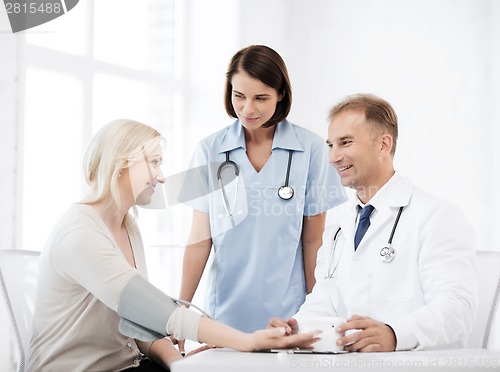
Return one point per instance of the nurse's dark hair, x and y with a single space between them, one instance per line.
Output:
266 65
378 113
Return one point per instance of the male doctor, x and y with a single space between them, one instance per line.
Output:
400 264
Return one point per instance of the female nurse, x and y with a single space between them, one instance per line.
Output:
265 240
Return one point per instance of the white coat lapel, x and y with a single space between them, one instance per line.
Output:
348 226
382 217
397 195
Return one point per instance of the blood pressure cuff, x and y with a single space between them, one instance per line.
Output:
145 310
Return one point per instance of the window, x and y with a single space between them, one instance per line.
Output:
52 143
81 71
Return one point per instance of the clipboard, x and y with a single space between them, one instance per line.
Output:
300 351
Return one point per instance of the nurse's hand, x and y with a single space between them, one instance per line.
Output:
291 325
372 335
276 338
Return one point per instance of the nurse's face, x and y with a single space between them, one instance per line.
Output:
254 102
355 151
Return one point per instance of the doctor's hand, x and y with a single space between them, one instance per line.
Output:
372 335
291 326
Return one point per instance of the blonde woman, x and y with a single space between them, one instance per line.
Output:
95 309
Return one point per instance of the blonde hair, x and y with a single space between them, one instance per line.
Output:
114 147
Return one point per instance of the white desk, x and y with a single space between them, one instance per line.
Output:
222 360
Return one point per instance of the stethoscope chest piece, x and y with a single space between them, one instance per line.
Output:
387 254
285 192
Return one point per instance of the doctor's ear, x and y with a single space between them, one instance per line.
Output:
386 144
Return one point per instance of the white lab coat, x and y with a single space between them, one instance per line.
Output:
427 294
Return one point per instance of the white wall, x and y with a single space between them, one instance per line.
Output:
9 132
494 127
437 62
8 156
210 43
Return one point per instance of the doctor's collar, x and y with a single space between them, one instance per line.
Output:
387 194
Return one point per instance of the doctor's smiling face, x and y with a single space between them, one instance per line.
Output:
253 101
360 153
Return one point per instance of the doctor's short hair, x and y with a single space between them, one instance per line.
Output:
266 65
378 112
113 148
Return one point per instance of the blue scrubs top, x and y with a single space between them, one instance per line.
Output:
258 269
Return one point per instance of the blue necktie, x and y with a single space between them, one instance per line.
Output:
363 225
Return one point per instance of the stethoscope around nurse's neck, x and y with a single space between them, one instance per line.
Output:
285 192
387 253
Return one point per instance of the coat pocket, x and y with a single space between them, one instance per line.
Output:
395 281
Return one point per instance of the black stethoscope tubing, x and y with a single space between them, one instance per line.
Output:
225 202
387 253
285 192
395 225
228 163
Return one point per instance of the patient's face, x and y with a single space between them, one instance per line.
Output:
144 175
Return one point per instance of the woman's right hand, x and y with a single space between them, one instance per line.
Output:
215 333
277 338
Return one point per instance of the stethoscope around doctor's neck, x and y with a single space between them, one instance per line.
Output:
285 192
387 253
